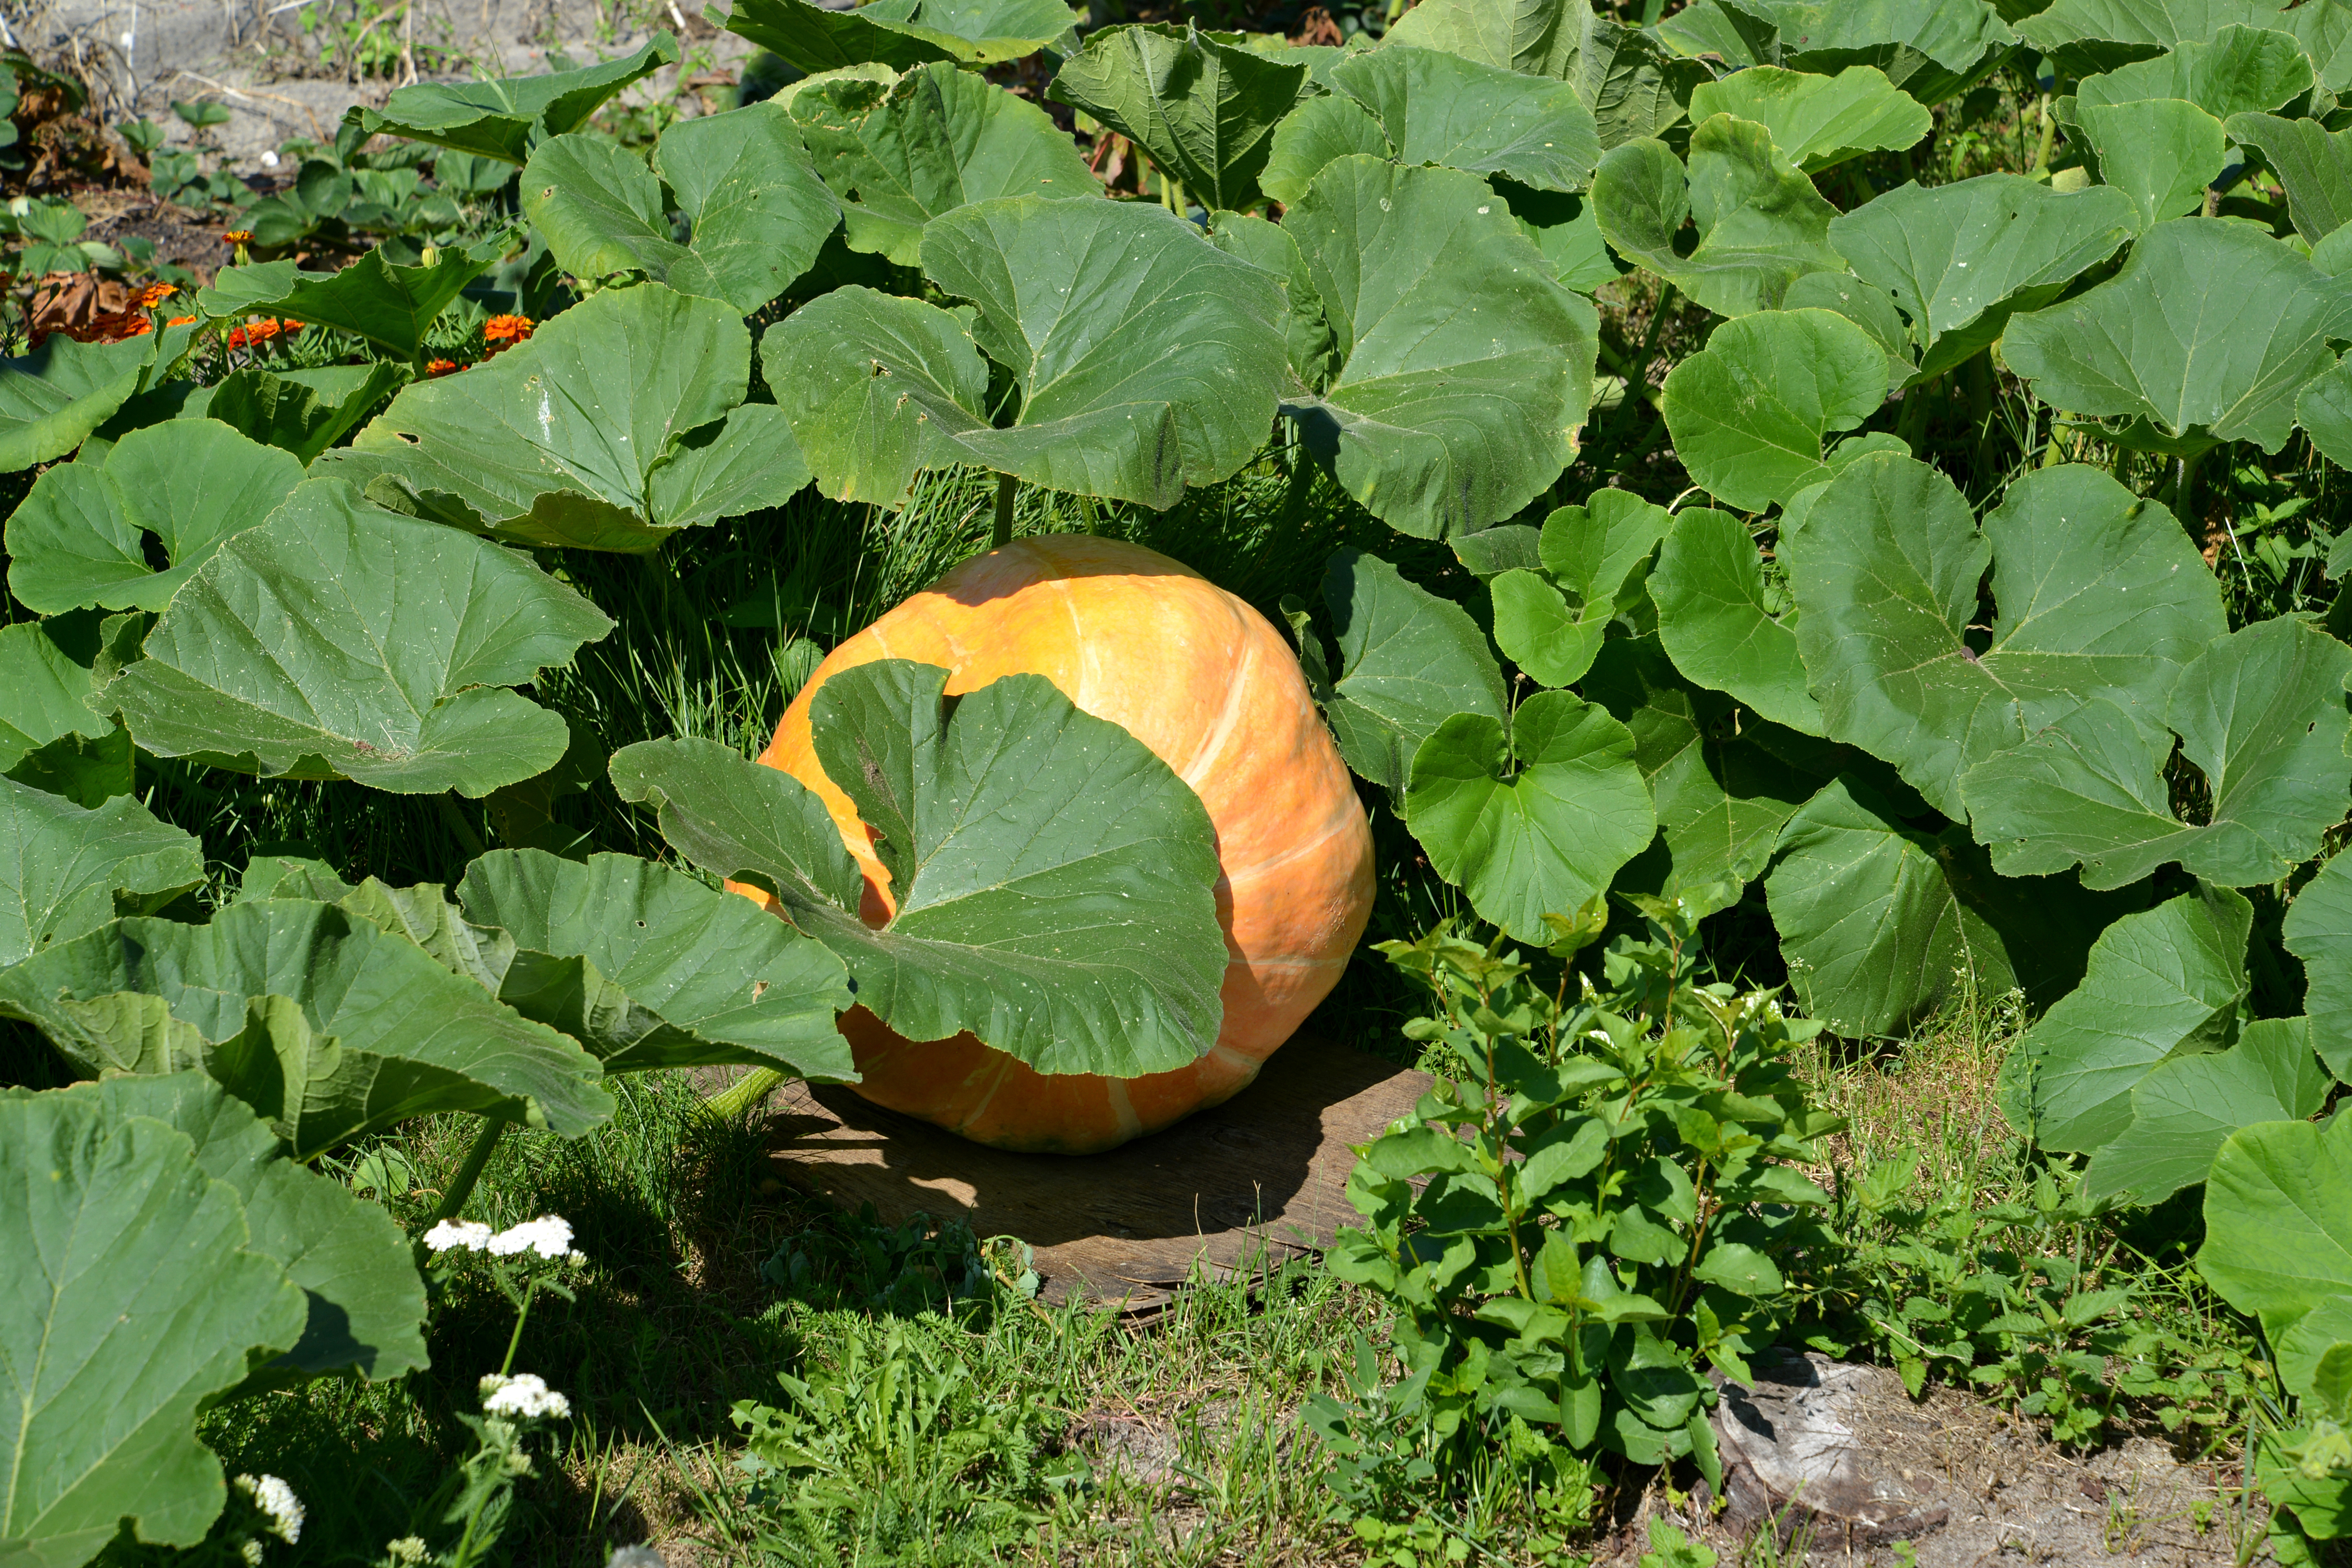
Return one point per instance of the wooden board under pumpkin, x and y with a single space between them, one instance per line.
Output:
1240 1188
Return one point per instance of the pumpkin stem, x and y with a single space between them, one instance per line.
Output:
1005 485
742 1094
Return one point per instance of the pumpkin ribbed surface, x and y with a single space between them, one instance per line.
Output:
1195 674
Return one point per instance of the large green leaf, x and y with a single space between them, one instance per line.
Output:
2313 163
1534 819
83 536
2324 409
1052 877
2278 1221
2239 70
1408 661
2260 714
378 1031
758 214
366 1303
2187 1107
1960 258
1882 924
299 411
1720 623
503 118
899 155
65 871
2160 152
2163 983
1202 105
2210 329
2099 593
1633 87
52 398
1436 108
1466 366
1817 122
41 690
2318 930
611 429
1316 135
1748 411
1550 623
338 640
705 976
1761 223
134 1299
1147 358
2091 36
1722 797
383 301
1930 48
901 33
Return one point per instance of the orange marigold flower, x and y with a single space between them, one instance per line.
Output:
506 329
155 294
440 367
237 236
180 321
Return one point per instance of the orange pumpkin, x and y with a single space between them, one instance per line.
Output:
1200 677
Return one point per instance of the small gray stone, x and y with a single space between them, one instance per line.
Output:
1806 1444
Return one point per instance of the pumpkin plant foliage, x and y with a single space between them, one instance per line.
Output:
1871 570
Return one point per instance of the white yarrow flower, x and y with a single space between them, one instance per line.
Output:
525 1393
471 1234
550 1235
277 1503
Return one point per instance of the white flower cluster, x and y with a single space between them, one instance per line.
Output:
471 1234
278 1504
643 1556
525 1393
550 1235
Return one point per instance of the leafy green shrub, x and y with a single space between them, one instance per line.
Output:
1596 1204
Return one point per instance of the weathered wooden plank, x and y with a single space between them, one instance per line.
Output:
1257 1180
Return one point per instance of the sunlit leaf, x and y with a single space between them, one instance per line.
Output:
2162 984
379 1033
1760 223
1531 819
383 301
1749 412
51 399
1203 107
1464 366
503 117
1408 661
133 1292
2188 1106
341 640
2162 152
1719 623
1959 258
1550 623
1817 122
758 214
901 33
2098 593
1148 359
179 488
65 871
899 155
2210 327
2260 714
2318 930
591 435
703 976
